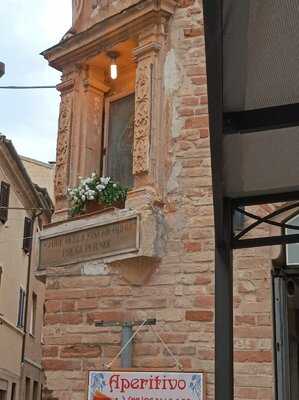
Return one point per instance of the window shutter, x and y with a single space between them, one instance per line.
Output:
27 238
21 312
4 201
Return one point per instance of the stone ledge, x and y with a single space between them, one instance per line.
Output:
68 243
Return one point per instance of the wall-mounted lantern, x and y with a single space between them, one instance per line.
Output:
113 55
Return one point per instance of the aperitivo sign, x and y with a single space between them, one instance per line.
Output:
145 385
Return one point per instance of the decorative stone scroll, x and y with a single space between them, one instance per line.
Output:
63 145
99 3
77 10
143 107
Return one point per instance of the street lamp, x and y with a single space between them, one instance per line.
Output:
2 69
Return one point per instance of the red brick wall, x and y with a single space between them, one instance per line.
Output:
180 292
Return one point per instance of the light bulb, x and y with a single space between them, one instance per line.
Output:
113 70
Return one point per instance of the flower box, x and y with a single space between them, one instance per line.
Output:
93 206
96 193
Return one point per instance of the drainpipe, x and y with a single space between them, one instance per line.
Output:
127 354
34 217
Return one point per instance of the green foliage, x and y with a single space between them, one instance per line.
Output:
95 188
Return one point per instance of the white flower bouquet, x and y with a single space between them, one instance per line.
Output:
95 188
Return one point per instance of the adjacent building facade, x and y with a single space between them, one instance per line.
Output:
24 210
148 129
41 173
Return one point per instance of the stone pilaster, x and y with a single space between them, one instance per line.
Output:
87 137
79 132
148 104
64 143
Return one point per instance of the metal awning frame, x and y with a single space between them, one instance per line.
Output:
224 208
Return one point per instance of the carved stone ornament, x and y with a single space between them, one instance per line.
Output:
77 10
63 146
142 129
99 3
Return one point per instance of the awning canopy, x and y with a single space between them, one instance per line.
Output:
253 88
260 54
258 95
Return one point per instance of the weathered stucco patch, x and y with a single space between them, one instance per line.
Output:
172 182
172 74
172 82
94 268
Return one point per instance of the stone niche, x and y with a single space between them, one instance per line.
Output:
131 239
139 37
128 240
87 13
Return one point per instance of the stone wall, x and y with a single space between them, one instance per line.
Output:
180 291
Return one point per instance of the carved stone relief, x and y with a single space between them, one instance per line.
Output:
99 3
142 129
63 146
77 10
101 9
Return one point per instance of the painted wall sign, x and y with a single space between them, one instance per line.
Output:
112 385
87 244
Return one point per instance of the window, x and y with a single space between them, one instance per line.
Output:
13 391
35 391
287 336
3 394
119 138
292 250
21 311
238 220
27 236
286 292
33 314
27 389
4 201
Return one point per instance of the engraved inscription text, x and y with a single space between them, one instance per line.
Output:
97 242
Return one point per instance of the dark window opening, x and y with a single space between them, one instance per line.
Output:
238 220
21 311
13 391
287 336
27 237
4 201
120 137
3 394
33 314
286 292
27 389
35 391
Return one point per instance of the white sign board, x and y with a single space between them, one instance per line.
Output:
145 385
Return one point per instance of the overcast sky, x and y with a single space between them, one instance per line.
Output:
29 118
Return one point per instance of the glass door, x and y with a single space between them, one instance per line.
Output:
286 291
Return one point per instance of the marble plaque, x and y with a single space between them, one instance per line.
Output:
88 244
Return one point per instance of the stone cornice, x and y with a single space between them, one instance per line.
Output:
95 85
105 34
66 86
148 48
18 176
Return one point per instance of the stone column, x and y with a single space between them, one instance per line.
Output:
148 102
